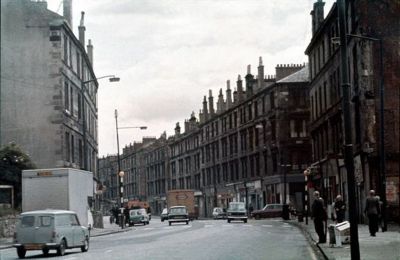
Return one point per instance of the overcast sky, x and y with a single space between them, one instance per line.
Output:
169 53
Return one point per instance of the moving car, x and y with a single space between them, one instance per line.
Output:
269 211
178 214
164 215
237 211
219 213
50 229
138 216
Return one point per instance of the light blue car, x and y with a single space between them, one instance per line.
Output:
50 229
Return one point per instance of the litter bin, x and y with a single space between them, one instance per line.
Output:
285 212
342 233
332 235
300 217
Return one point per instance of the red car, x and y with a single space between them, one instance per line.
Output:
269 211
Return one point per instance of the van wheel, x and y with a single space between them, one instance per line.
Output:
169 223
21 252
45 251
229 221
245 221
85 246
187 222
61 248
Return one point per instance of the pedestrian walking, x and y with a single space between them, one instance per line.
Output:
372 211
319 216
340 209
380 203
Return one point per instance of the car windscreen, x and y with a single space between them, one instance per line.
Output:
27 221
134 212
237 206
178 211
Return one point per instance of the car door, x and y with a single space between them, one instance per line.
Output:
78 232
64 227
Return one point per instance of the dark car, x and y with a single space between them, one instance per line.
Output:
178 214
269 211
164 215
237 211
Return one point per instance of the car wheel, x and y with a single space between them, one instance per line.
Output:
162 220
61 248
169 223
257 216
21 252
45 251
85 246
229 221
187 222
245 221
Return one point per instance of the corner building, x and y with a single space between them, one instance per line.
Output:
43 106
378 20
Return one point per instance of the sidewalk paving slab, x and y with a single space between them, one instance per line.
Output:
386 245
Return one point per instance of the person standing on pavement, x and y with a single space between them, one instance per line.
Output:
372 211
380 203
319 216
340 209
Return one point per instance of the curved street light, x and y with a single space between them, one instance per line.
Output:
112 78
120 172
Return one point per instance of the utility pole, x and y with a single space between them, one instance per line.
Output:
348 145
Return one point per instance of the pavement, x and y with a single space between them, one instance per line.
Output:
94 232
386 245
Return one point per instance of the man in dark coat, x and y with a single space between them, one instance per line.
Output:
340 209
372 210
319 216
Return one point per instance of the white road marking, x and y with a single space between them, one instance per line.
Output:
108 251
149 228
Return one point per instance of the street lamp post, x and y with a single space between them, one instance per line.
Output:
112 78
348 145
382 176
120 172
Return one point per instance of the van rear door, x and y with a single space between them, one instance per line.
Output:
26 229
44 229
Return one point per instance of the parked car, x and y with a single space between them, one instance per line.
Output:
50 229
178 214
164 215
237 211
219 213
269 211
138 216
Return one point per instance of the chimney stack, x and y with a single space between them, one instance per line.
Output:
67 12
317 15
82 29
220 102
177 129
90 51
228 94
240 92
211 103
249 82
260 76
205 109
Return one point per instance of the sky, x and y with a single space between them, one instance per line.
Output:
170 53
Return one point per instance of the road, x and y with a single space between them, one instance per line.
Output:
201 239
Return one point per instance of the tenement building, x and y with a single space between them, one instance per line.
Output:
372 68
48 90
253 146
